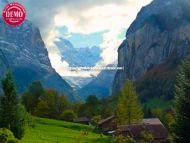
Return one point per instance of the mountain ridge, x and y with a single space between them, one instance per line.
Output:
28 59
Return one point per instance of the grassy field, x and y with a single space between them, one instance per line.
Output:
53 131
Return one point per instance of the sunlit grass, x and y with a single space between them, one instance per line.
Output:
53 131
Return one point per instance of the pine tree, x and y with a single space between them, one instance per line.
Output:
128 110
11 112
182 97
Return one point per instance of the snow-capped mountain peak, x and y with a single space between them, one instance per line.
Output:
86 56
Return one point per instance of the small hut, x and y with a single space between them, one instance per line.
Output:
82 120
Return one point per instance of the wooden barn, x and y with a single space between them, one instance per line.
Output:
152 126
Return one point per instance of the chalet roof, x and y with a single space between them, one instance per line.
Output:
152 121
82 119
158 131
106 120
154 126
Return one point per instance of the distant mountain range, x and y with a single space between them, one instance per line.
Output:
76 56
155 44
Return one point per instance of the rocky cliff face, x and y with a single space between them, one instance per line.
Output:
160 31
23 52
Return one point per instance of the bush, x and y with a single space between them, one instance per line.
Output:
147 137
6 136
122 139
13 141
68 115
96 119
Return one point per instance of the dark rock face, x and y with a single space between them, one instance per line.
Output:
23 52
160 31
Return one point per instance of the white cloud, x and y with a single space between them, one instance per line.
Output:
84 17
110 17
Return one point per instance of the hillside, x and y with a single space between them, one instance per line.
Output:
100 86
53 131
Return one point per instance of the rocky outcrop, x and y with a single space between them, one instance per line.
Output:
23 52
160 31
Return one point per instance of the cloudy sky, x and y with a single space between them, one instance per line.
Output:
85 23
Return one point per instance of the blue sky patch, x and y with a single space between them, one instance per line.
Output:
82 40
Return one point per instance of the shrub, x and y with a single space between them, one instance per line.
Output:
6 136
122 139
68 115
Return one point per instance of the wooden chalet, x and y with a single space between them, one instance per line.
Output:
108 124
153 126
83 120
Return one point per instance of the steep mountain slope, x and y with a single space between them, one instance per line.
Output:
27 58
77 82
100 86
158 81
160 31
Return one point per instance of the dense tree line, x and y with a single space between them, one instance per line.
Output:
50 104
45 102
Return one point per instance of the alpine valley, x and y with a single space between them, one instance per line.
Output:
155 44
100 85
147 100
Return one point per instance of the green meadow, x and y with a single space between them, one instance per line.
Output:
54 131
